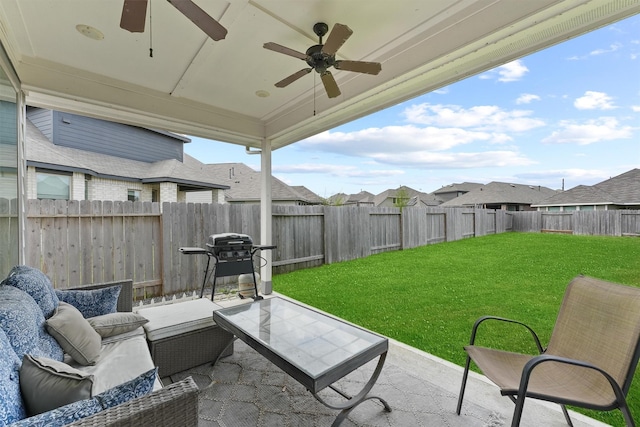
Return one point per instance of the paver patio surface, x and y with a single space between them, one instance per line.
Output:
245 389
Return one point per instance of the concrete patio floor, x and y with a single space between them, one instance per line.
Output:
245 389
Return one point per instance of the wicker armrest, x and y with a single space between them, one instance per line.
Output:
125 300
173 405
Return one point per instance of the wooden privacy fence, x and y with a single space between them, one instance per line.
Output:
595 223
79 242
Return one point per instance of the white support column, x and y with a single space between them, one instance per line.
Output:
265 215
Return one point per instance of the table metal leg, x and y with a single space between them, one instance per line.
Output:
346 407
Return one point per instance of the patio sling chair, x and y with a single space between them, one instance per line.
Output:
589 362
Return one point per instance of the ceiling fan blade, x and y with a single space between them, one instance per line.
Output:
338 35
134 15
199 17
282 49
293 77
359 66
330 84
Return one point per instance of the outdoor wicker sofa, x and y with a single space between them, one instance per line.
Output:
124 387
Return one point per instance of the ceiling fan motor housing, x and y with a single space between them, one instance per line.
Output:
318 60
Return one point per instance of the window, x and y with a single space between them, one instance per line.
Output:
133 195
154 195
53 186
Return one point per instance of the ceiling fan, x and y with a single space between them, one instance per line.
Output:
321 57
134 15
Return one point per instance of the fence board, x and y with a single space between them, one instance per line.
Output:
109 239
118 231
48 239
5 230
86 240
74 255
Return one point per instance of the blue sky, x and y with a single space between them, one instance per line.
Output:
570 112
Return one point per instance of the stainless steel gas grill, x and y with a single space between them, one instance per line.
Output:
232 254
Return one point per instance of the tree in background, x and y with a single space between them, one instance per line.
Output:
402 198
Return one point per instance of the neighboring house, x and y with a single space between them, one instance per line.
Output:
619 192
390 198
502 196
243 185
363 198
72 157
451 191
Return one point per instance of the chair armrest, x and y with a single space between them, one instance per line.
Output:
125 300
173 405
502 319
543 358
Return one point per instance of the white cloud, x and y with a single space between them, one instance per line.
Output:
486 118
510 72
426 159
526 98
636 108
345 171
590 132
594 101
409 146
571 176
402 139
612 48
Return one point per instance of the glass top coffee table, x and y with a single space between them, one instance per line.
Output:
314 349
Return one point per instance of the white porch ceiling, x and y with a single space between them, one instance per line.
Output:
197 86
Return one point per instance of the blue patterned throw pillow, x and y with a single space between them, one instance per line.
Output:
24 325
64 415
12 407
137 387
92 303
35 283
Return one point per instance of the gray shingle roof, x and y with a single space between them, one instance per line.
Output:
502 193
455 187
363 197
245 184
623 189
391 193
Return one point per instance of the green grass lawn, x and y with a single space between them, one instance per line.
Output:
429 297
